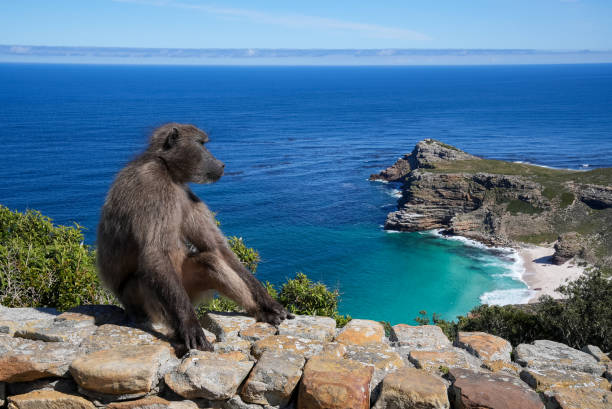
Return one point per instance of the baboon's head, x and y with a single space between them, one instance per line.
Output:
182 148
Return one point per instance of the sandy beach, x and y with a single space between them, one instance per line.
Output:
541 275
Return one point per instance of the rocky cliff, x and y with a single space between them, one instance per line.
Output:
502 203
92 357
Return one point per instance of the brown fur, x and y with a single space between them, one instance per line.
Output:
150 221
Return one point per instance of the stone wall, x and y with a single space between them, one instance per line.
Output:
92 357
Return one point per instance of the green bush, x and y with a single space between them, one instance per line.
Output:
519 206
301 295
567 198
42 265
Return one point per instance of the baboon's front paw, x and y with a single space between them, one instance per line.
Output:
194 338
274 314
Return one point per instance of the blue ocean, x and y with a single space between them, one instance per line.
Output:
299 144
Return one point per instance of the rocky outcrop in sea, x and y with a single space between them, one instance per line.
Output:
502 203
92 357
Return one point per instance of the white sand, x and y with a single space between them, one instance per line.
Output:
541 275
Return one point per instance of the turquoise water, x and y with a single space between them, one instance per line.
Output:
299 144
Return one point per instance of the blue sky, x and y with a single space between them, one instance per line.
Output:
426 24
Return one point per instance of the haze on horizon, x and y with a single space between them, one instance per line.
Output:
400 32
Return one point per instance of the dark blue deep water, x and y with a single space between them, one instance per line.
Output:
299 144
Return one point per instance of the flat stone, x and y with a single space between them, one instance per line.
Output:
110 336
302 346
502 366
62 329
335 384
235 402
130 370
381 357
544 379
439 360
234 344
425 337
485 346
554 355
409 388
310 327
100 314
234 356
26 360
13 319
333 350
273 379
477 390
207 375
257 331
64 385
360 332
226 325
153 402
579 398
48 400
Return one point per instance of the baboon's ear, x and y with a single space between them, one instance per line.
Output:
171 138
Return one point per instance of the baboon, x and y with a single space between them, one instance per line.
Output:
159 247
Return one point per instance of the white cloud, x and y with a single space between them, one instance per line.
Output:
293 20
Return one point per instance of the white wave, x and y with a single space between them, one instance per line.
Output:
468 242
396 193
392 231
378 180
585 165
505 297
535 164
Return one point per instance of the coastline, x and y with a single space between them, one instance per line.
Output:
541 276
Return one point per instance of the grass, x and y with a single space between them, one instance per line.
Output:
517 206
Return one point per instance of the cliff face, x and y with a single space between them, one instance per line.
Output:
499 202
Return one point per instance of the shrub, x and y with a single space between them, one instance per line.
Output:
519 206
42 265
300 295
567 198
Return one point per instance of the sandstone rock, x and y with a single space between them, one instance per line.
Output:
100 314
302 346
568 246
153 402
62 329
25 360
361 332
48 400
335 384
596 196
381 357
257 331
597 354
273 379
502 366
68 386
109 336
234 355
553 355
310 327
409 388
395 172
126 372
476 390
234 344
236 403
485 346
544 379
226 325
426 337
333 350
579 398
207 375
440 360
13 319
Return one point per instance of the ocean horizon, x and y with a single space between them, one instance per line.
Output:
299 144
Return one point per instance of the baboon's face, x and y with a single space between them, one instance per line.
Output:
185 150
